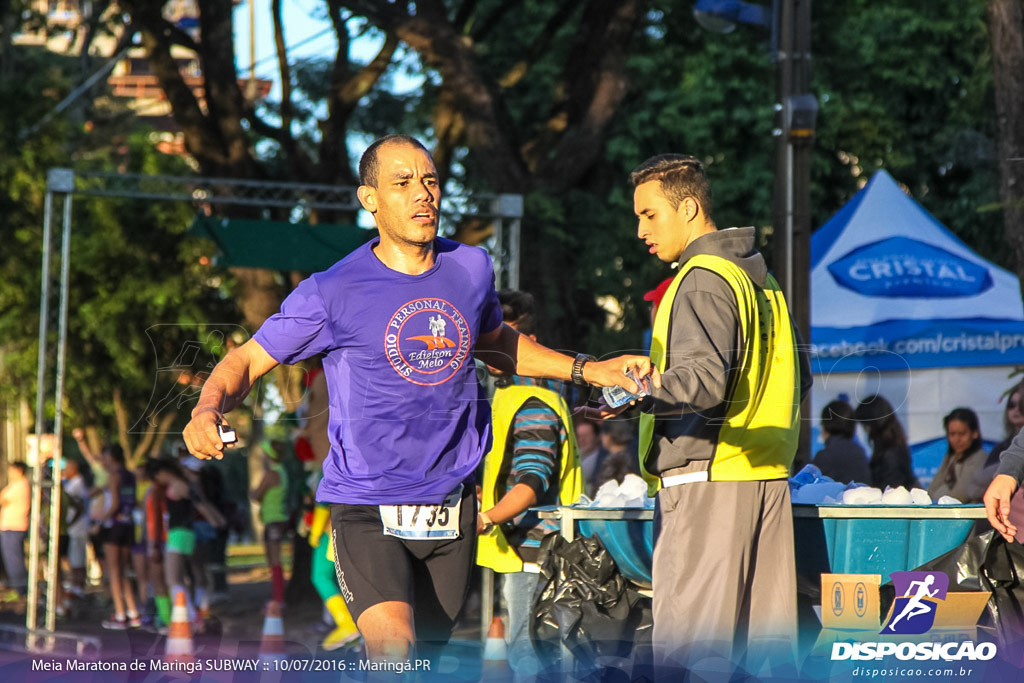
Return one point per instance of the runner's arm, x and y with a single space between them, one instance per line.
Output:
226 388
507 350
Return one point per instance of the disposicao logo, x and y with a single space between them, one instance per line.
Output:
917 599
918 595
904 267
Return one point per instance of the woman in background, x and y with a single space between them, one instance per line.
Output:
890 463
1013 422
118 522
842 458
183 501
964 457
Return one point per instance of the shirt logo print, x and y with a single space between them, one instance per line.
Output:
426 341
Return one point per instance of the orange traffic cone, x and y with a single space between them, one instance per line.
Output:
495 649
179 636
272 644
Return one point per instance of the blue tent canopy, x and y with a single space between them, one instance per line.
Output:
894 289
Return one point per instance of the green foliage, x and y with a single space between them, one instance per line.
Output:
908 87
138 290
903 86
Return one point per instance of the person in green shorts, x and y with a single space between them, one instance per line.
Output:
271 494
183 503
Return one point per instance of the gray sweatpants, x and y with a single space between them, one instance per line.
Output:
724 574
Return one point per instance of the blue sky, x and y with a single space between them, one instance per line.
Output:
303 20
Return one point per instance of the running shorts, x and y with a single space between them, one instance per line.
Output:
275 532
122 535
430 575
181 540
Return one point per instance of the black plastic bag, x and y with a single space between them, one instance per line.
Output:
583 602
986 562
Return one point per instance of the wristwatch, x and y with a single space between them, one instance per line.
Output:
488 524
577 368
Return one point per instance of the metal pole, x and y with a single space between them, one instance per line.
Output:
802 162
782 233
788 284
52 587
513 253
803 152
499 252
37 473
486 601
251 85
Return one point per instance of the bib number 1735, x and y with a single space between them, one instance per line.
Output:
423 522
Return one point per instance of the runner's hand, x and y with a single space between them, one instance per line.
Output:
201 437
997 505
613 371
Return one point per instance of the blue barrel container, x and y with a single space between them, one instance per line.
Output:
630 542
828 538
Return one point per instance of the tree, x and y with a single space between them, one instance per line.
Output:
140 291
559 100
1006 25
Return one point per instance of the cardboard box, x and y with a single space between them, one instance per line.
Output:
851 611
852 602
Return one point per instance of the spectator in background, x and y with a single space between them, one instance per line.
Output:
620 458
965 457
76 491
842 458
588 445
532 462
213 544
890 463
14 509
118 522
271 494
1013 422
154 537
183 500
203 533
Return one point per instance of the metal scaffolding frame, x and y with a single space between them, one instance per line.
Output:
202 192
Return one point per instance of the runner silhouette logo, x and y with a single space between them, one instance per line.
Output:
917 599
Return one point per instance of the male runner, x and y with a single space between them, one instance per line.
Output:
409 422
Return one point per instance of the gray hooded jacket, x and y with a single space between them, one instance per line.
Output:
704 344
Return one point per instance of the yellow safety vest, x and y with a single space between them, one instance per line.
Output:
759 436
493 549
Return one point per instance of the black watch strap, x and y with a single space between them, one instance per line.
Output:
577 368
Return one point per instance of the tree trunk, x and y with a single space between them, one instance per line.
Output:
1006 26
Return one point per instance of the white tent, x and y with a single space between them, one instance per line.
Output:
901 307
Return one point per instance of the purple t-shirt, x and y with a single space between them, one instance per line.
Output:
409 421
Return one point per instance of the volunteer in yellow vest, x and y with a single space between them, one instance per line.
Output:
532 462
718 438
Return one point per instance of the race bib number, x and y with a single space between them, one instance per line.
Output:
424 522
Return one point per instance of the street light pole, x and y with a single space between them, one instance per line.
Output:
796 112
795 116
